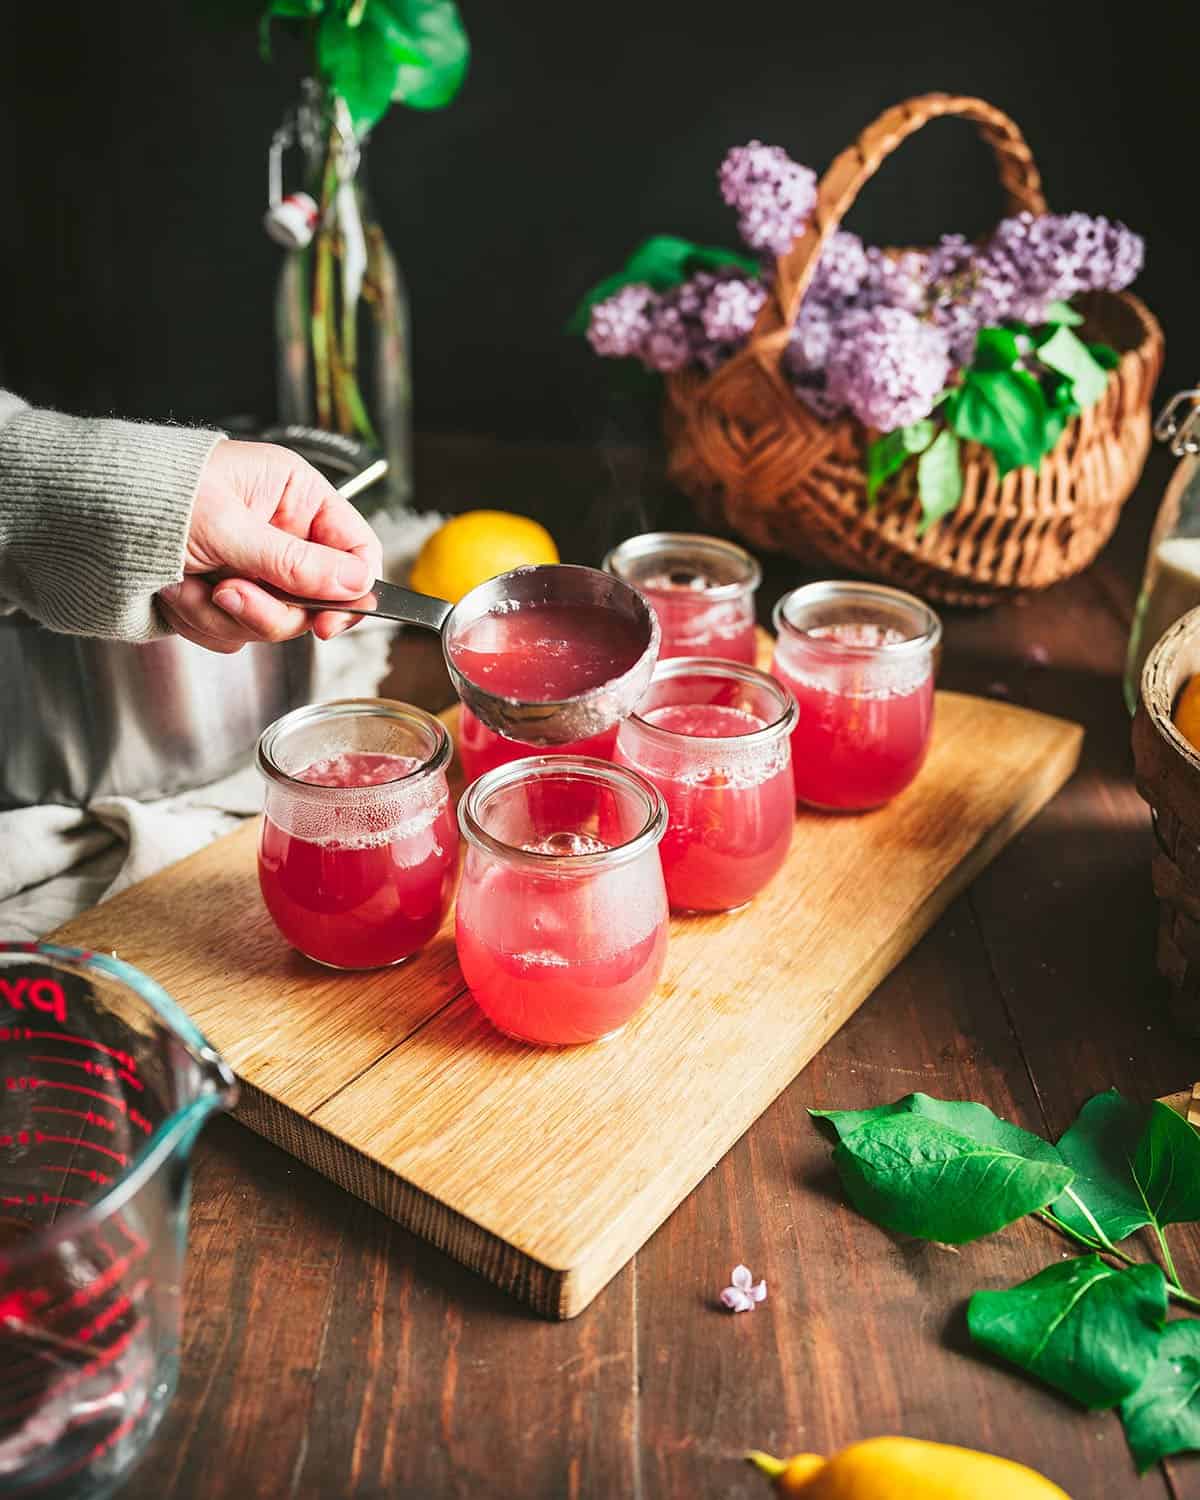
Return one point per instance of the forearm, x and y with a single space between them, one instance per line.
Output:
94 517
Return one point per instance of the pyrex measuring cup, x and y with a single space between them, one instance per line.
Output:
104 1085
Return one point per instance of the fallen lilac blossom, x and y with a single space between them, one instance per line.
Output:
745 1292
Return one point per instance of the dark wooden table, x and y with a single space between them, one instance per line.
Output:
328 1354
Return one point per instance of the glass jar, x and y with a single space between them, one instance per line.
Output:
860 659
106 1086
701 588
359 844
481 749
341 309
1171 581
562 912
714 738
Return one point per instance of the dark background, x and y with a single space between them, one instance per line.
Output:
137 280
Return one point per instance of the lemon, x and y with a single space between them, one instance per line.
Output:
1187 712
473 547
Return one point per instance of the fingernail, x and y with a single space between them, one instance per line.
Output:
230 600
354 574
171 592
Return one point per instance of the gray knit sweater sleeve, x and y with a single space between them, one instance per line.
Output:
93 517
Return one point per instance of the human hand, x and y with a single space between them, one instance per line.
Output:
264 513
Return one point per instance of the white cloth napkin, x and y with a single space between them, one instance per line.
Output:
57 861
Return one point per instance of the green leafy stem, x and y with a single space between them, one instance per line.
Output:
1016 397
952 1171
376 52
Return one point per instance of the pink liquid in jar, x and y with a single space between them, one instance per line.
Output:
730 804
865 719
355 896
693 624
481 749
566 956
543 653
700 587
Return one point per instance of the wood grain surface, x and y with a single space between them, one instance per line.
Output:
546 1169
330 1355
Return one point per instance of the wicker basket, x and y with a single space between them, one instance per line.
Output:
756 460
1168 777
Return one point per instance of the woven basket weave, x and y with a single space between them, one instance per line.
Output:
755 459
1168 777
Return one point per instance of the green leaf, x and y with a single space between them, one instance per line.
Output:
1063 313
1004 410
432 35
939 480
1105 356
358 63
995 349
663 261
1087 1329
963 1115
1166 1167
888 454
1069 355
914 1175
1100 1146
1062 408
1163 1415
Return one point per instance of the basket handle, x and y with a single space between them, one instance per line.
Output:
847 174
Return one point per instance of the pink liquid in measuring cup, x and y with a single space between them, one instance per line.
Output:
864 725
481 749
542 653
367 897
730 809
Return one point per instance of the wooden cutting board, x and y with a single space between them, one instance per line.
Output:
546 1170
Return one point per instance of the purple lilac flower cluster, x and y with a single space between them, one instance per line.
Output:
701 322
877 334
774 195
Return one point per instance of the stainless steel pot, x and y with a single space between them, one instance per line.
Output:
81 717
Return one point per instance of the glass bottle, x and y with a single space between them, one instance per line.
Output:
341 316
1171 581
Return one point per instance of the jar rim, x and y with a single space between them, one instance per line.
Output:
351 708
543 767
635 548
836 590
714 666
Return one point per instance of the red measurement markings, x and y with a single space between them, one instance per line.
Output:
98 1452
90 1174
132 1237
116 1309
24 1083
104 1358
95 1069
89 1116
42 1200
19 1308
41 1139
29 1034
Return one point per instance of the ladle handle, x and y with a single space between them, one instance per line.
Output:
387 600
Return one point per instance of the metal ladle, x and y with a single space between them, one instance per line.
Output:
560 584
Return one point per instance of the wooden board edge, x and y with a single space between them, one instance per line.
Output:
550 1292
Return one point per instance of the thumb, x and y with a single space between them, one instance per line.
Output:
264 552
